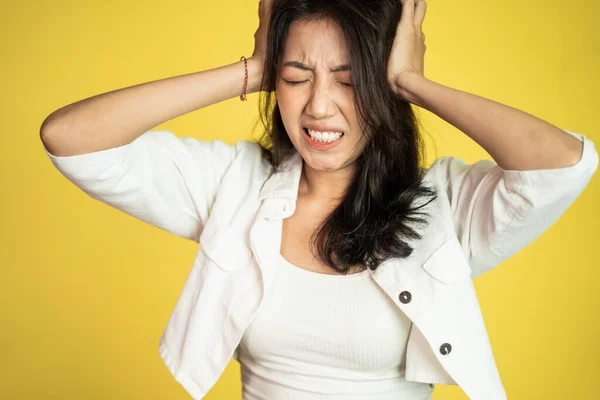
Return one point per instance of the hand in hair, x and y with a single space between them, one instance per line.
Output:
260 36
407 57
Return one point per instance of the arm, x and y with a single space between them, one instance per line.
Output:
118 117
540 170
104 146
499 209
515 140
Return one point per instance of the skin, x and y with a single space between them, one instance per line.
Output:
321 97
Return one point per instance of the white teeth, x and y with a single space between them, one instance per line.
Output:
324 136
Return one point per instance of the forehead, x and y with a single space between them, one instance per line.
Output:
315 42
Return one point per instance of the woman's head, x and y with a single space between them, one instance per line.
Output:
314 93
322 35
307 40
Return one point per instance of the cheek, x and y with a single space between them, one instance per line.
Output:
285 95
290 106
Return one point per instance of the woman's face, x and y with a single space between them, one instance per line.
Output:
316 57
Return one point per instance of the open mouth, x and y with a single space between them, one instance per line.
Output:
308 134
326 142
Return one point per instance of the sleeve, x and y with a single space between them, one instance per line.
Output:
159 178
496 212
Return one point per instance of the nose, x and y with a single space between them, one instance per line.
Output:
320 105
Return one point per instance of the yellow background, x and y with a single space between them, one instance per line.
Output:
86 290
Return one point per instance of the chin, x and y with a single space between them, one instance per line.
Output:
326 162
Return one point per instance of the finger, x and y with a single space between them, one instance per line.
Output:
408 9
420 9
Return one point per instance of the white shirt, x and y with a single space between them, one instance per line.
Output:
227 198
325 336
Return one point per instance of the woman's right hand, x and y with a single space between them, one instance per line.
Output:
260 36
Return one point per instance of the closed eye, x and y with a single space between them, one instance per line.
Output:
294 83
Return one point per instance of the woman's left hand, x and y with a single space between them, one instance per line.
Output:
407 57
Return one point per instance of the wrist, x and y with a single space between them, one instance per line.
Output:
407 85
255 71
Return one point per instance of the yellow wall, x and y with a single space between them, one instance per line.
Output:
87 290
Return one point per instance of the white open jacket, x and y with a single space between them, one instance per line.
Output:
226 198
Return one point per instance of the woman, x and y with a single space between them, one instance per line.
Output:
331 265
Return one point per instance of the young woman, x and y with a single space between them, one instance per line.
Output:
331 264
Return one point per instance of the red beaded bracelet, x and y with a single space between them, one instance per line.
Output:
243 95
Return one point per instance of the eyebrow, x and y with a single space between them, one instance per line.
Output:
299 65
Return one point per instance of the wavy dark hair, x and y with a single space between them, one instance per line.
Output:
378 214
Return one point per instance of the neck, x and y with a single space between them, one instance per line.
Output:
325 185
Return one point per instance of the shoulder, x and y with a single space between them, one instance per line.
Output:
248 149
247 171
250 154
245 155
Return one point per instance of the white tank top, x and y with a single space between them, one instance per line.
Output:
322 336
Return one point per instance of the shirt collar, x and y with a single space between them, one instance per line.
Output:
284 183
282 187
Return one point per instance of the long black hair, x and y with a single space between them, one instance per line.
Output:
377 215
